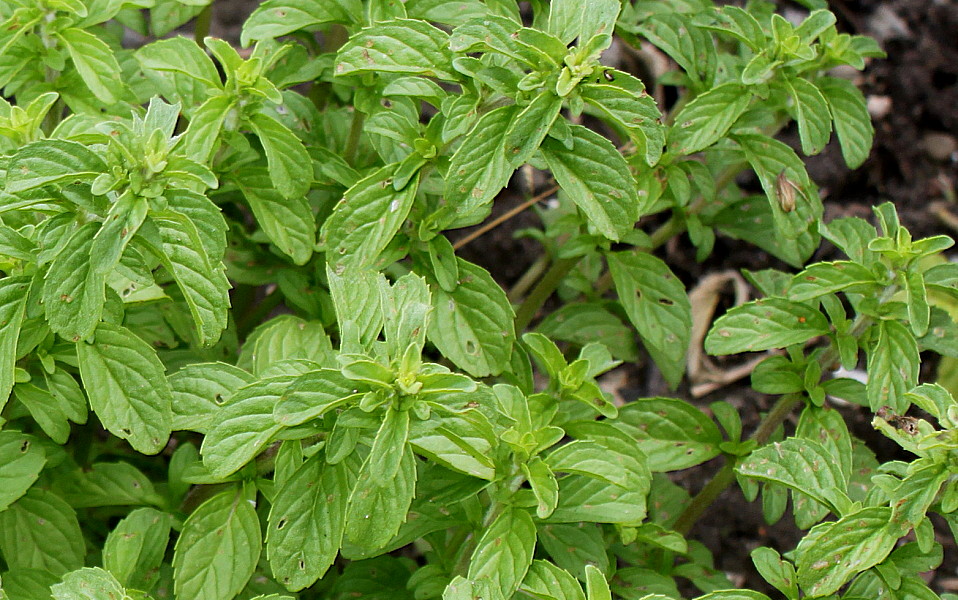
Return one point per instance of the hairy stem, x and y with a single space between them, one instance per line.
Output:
355 132
539 294
201 28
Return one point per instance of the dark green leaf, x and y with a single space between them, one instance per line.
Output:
40 531
656 303
290 167
50 162
530 127
597 178
473 325
572 547
624 102
218 548
852 123
198 391
377 507
811 112
708 117
106 484
893 364
545 581
45 410
127 387
569 19
73 293
275 18
135 548
13 297
829 277
764 324
672 433
398 46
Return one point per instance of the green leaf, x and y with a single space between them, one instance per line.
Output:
588 499
51 162
624 102
833 552
127 387
596 587
13 298
811 112
803 465
21 460
919 313
672 433
893 364
365 221
708 117
243 425
276 18
290 166
40 531
218 548
311 395
530 127
460 442
200 389
829 429
398 46
90 583
183 56
15 245
852 123
911 499
478 170
544 485
95 63
596 177
545 581
45 410
135 548
586 457
288 222
570 19
687 44
73 293
389 445
306 522
830 277
378 507
200 140
504 552
772 160
121 224
203 283
573 546
473 325
584 323
106 484
776 571
283 338
656 303
764 324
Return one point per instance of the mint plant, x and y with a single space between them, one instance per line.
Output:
241 358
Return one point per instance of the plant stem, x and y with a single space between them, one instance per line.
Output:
504 217
539 294
201 28
355 131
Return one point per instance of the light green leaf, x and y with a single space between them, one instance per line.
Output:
478 170
127 387
51 162
275 18
708 117
544 485
89 583
778 572
106 484
398 46
45 410
588 499
504 552
672 433
764 324
311 395
545 581
135 548
243 425
357 301
180 55
596 586
460 442
290 166
378 507
473 325
828 428
893 364
21 460
449 12
306 522
15 245
288 222
200 140
833 552
13 297
623 101
656 303
852 123
41 531
803 465
95 63
530 127
285 337
366 220
589 458
121 224
919 312
810 110
571 19
73 293
584 323
912 498
218 548
596 177
203 283
733 595
207 217
27 583
830 277
389 445
200 389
